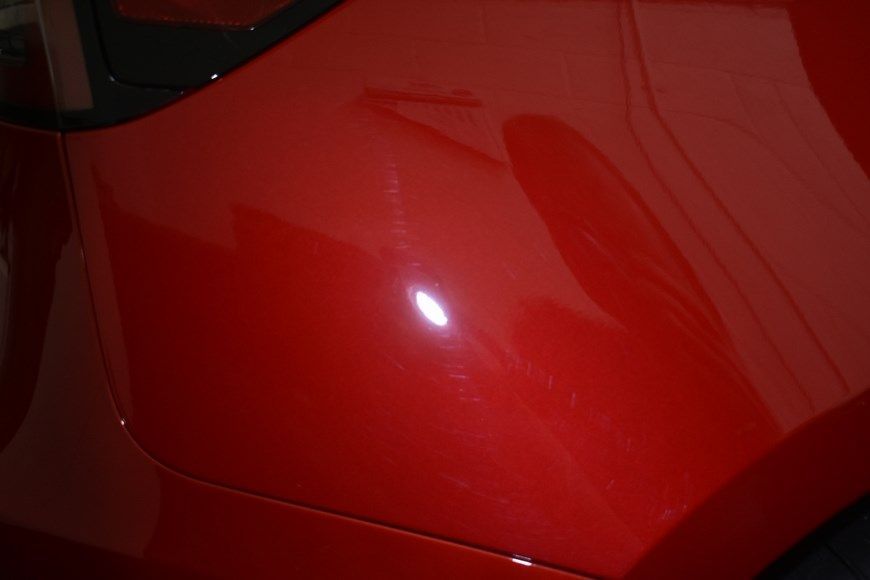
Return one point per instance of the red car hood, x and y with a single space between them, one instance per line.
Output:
542 277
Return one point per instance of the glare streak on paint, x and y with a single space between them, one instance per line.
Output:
521 560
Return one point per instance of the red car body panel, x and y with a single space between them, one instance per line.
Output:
79 498
646 228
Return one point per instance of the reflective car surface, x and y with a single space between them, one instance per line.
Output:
481 288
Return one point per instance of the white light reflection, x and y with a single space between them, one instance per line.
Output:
430 308
521 560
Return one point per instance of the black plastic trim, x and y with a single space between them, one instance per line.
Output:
135 68
180 57
114 101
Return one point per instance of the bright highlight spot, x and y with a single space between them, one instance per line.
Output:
430 309
521 560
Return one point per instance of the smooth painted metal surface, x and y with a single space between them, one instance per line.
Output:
584 282
78 498
648 234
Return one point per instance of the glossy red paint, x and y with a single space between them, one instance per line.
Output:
78 498
645 225
649 239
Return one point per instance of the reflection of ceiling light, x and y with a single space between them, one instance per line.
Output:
430 309
521 560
